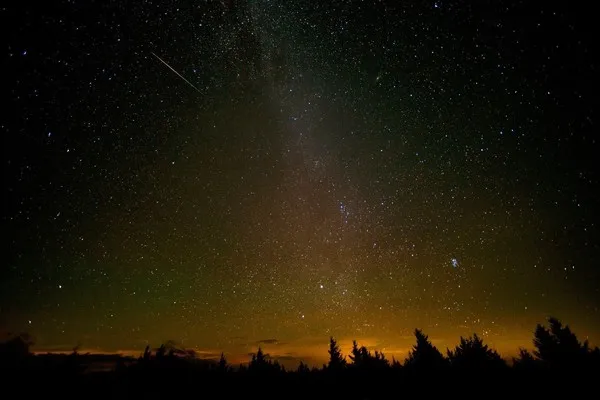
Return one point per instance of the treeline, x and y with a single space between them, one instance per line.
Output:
559 359
556 347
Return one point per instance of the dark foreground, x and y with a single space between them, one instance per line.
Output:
173 382
560 366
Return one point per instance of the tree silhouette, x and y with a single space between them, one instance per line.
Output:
147 355
362 358
379 360
161 352
366 374
525 360
594 358
259 363
559 347
222 366
276 366
424 355
15 350
336 360
355 354
303 368
472 354
16 346
258 358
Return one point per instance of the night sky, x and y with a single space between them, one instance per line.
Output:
234 173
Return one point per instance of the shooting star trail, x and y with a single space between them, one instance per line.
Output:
178 74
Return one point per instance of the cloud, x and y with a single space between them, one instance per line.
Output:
288 357
208 354
268 341
66 349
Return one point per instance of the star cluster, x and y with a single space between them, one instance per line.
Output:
346 168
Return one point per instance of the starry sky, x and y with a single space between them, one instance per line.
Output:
229 174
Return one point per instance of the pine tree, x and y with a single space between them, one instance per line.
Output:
303 368
362 358
471 353
355 354
396 364
161 352
424 354
275 366
147 354
222 365
336 360
380 360
525 360
258 361
558 346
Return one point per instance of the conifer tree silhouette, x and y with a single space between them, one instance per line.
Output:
558 346
146 356
336 360
379 360
222 366
276 366
355 354
525 360
259 361
161 352
303 368
362 358
424 355
472 354
396 364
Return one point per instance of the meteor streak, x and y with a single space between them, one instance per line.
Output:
178 74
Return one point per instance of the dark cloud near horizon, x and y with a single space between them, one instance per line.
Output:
269 341
212 356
